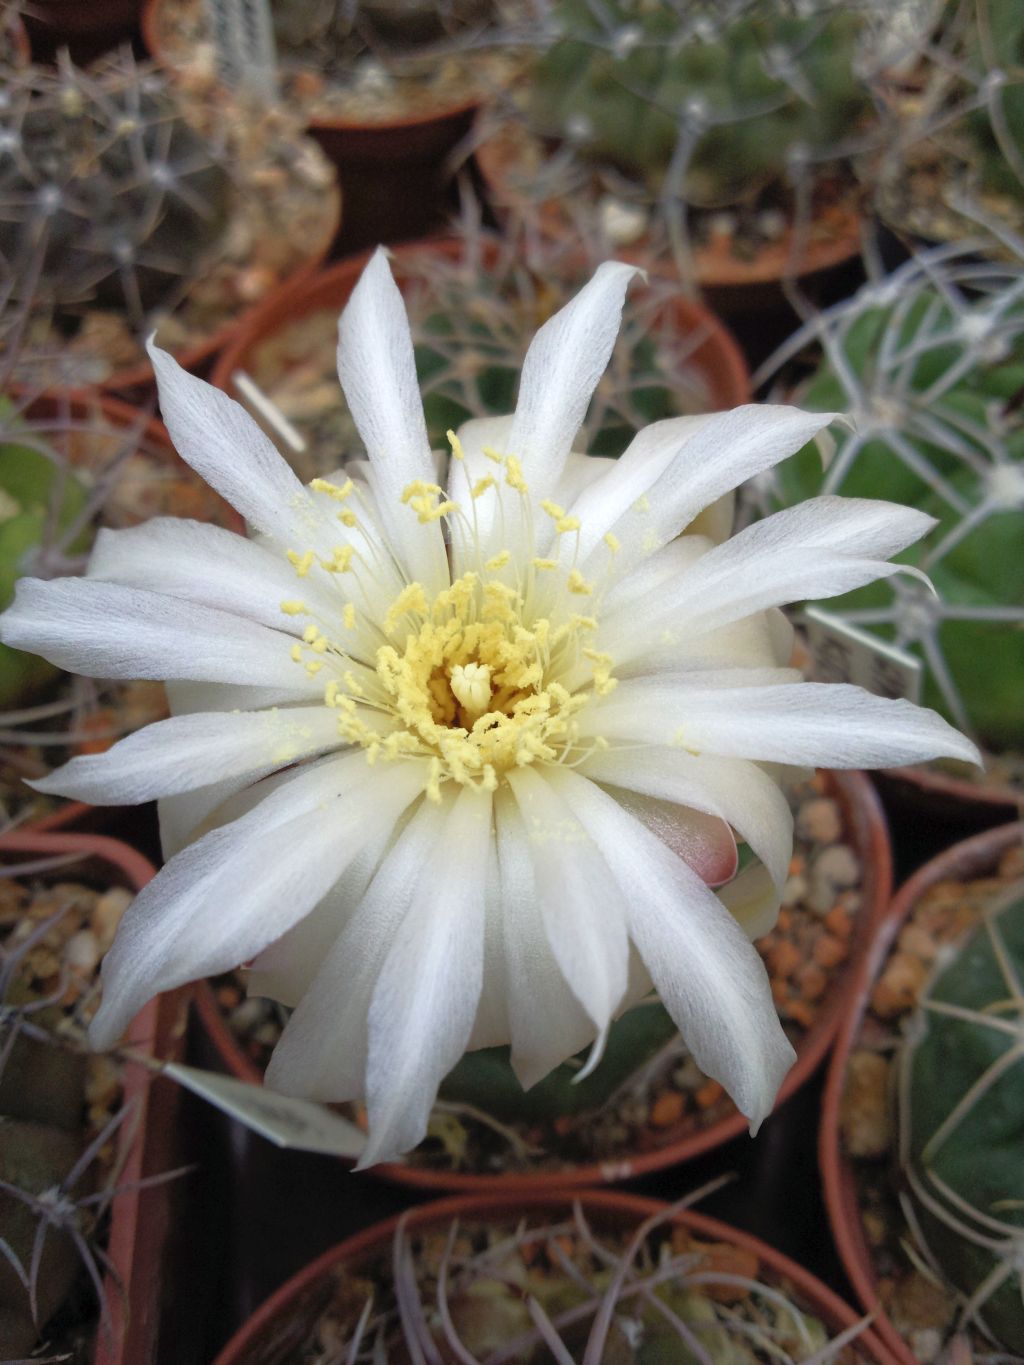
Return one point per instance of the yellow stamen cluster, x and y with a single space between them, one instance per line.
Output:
467 678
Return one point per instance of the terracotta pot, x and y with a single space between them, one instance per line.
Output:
865 820
394 175
717 358
279 1325
86 30
933 796
965 861
139 1218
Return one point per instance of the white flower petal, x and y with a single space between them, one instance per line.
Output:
108 631
562 367
735 790
672 472
377 369
426 996
322 1053
186 752
476 538
579 907
212 567
710 979
490 1027
753 900
546 1022
224 445
286 969
223 899
819 549
829 725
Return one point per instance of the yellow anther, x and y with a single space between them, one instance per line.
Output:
481 486
331 692
333 490
578 584
491 454
552 508
301 563
314 667
412 598
544 563
499 560
340 560
514 475
418 489
293 608
434 782
320 644
612 541
348 518
310 634
456 445
296 653
349 616
352 683
643 503
564 524
428 513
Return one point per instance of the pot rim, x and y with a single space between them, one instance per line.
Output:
865 819
969 858
628 1206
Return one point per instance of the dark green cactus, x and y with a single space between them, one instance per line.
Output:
40 500
734 93
108 194
339 27
962 1119
933 376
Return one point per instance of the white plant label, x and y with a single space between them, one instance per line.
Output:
281 1119
843 653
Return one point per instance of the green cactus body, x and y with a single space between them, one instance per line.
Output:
112 196
996 43
750 85
933 387
962 1119
38 502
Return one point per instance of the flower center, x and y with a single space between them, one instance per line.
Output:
467 678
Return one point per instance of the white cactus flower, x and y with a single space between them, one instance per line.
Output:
452 791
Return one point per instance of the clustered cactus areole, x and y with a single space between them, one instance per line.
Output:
107 193
931 365
960 1092
711 102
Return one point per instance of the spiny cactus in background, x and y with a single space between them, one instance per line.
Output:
930 364
707 103
961 1111
106 192
473 317
995 52
542 1288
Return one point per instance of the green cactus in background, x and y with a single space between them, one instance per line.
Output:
995 50
962 1124
930 364
106 192
400 24
724 97
40 503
